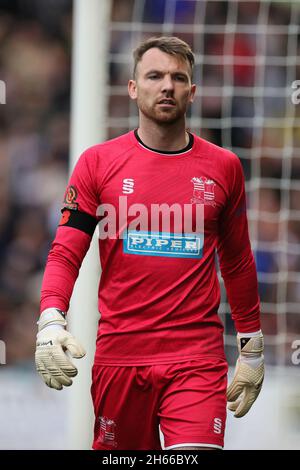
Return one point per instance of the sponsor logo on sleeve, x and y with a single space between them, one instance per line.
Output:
70 198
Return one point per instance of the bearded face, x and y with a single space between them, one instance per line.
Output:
162 88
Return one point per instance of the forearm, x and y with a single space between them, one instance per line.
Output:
241 285
62 268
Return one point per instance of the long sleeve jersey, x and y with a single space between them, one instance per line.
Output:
159 292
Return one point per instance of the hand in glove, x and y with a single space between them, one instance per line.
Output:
53 341
249 374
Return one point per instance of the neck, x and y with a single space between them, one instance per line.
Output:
168 137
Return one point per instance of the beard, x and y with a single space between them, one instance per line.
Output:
161 115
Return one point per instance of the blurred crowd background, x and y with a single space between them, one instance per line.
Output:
35 47
244 73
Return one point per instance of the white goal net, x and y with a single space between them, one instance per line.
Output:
247 59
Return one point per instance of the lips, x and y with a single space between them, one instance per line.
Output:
167 102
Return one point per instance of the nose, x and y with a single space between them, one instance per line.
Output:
167 84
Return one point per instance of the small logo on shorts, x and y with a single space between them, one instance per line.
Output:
107 429
217 426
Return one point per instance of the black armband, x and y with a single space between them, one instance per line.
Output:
80 220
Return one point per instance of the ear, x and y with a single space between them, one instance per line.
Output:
193 91
132 90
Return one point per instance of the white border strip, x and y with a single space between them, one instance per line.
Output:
193 444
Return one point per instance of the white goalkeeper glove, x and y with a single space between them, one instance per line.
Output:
51 360
248 375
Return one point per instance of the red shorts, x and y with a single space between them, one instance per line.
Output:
187 400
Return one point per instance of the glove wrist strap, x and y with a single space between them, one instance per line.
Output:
51 316
250 347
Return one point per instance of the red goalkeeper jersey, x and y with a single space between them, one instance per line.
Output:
159 292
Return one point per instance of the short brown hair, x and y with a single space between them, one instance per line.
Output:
168 44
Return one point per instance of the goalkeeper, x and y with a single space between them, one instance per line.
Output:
159 355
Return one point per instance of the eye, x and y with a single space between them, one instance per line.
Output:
153 76
180 78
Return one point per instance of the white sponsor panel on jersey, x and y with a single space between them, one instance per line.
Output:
174 245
